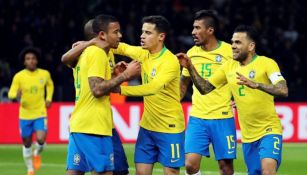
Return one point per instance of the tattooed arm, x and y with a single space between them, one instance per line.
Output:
279 89
101 87
203 86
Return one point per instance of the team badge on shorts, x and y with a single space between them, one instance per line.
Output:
252 74
77 159
218 58
153 72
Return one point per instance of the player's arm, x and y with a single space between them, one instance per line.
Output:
278 89
101 87
134 52
203 85
15 91
49 90
163 77
70 58
184 84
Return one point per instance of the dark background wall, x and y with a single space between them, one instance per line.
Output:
55 24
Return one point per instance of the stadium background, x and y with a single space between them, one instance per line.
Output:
54 25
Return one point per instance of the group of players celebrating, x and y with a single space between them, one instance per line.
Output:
220 72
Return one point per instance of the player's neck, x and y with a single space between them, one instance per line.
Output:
156 49
211 45
249 59
31 70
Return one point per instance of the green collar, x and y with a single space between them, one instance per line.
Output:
161 53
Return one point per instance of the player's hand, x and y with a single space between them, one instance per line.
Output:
48 104
245 81
78 43
116 89
133 70
119 68
233 104
184 60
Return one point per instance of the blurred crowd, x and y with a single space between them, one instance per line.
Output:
54 25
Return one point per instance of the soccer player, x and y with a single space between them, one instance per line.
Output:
70 58
90 143
209 112
29 87
254 80
161 135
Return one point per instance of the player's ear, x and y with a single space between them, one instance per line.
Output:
162 36
251 46
102 35
211 30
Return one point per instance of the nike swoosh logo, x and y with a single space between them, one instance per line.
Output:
172 160
230 152
275 152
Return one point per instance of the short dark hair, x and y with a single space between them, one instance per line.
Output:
101 23
88 30
30 49
250 31
162 24
210 16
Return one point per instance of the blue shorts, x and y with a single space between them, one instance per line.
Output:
166 148
90 153
269 146
27 127
220 132
120 160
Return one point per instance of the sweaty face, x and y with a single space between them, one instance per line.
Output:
113 35
200 32
150 37
240 43
30 61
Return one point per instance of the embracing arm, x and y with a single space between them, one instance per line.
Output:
184 84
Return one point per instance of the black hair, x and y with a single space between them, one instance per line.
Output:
27 50
210 17
101 23
162 24
250 31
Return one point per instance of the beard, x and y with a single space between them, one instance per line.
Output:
242 56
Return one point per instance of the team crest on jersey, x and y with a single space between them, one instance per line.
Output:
218 58
153 72
77 159
41 81
252 74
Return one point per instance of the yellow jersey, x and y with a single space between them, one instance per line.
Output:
216 104
256 111
160 88
91 115
32 86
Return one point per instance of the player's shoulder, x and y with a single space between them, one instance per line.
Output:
20 73
43 71
193 50
265 59
225 47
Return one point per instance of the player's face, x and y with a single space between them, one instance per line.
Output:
114 35
200 32
240 46
30 61
151 38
